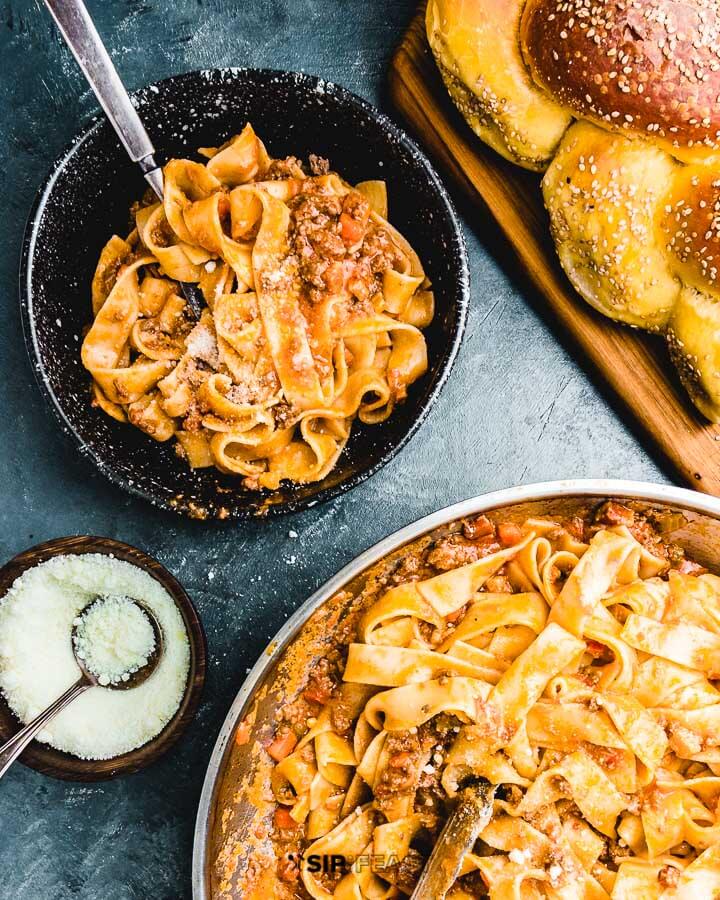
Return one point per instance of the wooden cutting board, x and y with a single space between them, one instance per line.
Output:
635 365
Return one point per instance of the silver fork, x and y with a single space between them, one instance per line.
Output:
81 36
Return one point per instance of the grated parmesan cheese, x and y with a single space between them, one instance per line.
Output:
202 344
37 662
114 638
555 872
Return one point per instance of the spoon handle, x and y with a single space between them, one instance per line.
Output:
10 750
471 815
82 38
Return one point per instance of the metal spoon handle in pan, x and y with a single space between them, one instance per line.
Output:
471 815
81 36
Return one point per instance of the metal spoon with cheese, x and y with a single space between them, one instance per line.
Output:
10 751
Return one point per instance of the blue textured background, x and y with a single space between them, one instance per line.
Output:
518 408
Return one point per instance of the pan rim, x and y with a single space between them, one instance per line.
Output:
684 498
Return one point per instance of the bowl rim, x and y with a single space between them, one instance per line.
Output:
50 761
311 82
684 498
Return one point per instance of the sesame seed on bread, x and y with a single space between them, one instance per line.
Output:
691 224
632 187
603 193
649 67
491 87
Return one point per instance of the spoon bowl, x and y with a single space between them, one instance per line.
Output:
140 675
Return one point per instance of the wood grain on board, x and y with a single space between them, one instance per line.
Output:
635 365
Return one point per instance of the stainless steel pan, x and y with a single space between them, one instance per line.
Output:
695 526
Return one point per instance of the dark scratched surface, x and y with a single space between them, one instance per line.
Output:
518 408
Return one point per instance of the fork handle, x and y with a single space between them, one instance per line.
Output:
81 36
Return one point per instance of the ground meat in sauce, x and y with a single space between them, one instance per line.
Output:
575 527
324 678
401 773
281 169
193 418
456 550
315 239
498 584
284 415
406 873
613 514
341 716
614 853
478 527
318 165
412 768
379 250
330 259
411 568
289 867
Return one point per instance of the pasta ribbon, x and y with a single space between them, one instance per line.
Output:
315 306
567 663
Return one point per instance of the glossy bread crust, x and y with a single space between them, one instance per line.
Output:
638 234
646 67
691 225
693 337
633 186
494 91
603 193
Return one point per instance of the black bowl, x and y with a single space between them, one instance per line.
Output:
86 198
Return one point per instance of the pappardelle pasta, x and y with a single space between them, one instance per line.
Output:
315 306
574 664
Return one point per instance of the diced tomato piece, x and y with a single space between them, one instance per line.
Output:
509 533
351 230
616 514
284 820
242 735
282 746
317 694
598 650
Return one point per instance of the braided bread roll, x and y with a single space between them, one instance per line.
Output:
618 103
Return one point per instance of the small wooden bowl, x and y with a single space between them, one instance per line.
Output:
58 764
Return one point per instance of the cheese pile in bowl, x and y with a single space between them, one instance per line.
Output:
37 663
114 639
